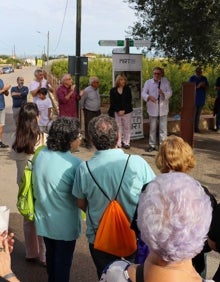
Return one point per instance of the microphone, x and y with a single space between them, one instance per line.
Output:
159 82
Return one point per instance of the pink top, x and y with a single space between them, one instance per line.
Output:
67 108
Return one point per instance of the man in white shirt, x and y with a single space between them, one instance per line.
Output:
156 93
38 83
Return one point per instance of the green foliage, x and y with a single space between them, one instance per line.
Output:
101 67
59 68
8 60
179 73
180 29
176 74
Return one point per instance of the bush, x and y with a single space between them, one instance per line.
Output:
176 74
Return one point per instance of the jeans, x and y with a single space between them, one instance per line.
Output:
59 256
102 259
197 117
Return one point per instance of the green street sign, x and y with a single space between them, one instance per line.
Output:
122 43
111 42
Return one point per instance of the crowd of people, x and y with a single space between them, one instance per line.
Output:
172 214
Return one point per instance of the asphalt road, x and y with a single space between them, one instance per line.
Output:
82 268
207 171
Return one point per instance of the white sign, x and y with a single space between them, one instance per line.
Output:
142 43
137 123
118 51
127 62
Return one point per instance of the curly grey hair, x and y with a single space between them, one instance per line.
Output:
103 131
174 215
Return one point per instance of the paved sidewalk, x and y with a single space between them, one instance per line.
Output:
207 151
207 171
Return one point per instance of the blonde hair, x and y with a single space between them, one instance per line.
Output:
118 78
175 155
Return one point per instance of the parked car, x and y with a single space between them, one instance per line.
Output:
19 66
7 69
11 69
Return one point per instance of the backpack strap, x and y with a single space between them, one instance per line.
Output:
140 273
97 182
104 193
103 190
122 176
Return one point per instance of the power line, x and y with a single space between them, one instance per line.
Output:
61 30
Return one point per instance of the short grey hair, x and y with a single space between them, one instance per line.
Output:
103 131
92 79
174 216
64 77
37 71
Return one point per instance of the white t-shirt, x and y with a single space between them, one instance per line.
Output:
43 106
35 84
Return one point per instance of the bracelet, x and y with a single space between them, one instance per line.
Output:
9 275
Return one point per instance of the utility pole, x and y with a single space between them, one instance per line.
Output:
78 44
13 56
48 44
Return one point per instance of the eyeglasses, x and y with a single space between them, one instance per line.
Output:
157 73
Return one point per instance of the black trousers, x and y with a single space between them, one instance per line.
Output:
88 115
216 277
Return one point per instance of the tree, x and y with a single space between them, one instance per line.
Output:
182 29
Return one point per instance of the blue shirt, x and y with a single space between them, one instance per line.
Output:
217 84
2 96
200 92
107 167
56 213
18 100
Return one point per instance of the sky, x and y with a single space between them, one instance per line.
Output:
25 25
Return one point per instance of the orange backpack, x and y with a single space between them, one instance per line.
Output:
114 235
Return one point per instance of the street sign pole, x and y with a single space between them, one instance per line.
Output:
127 45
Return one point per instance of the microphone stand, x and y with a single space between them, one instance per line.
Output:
158 114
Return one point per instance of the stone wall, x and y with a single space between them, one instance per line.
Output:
207 122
